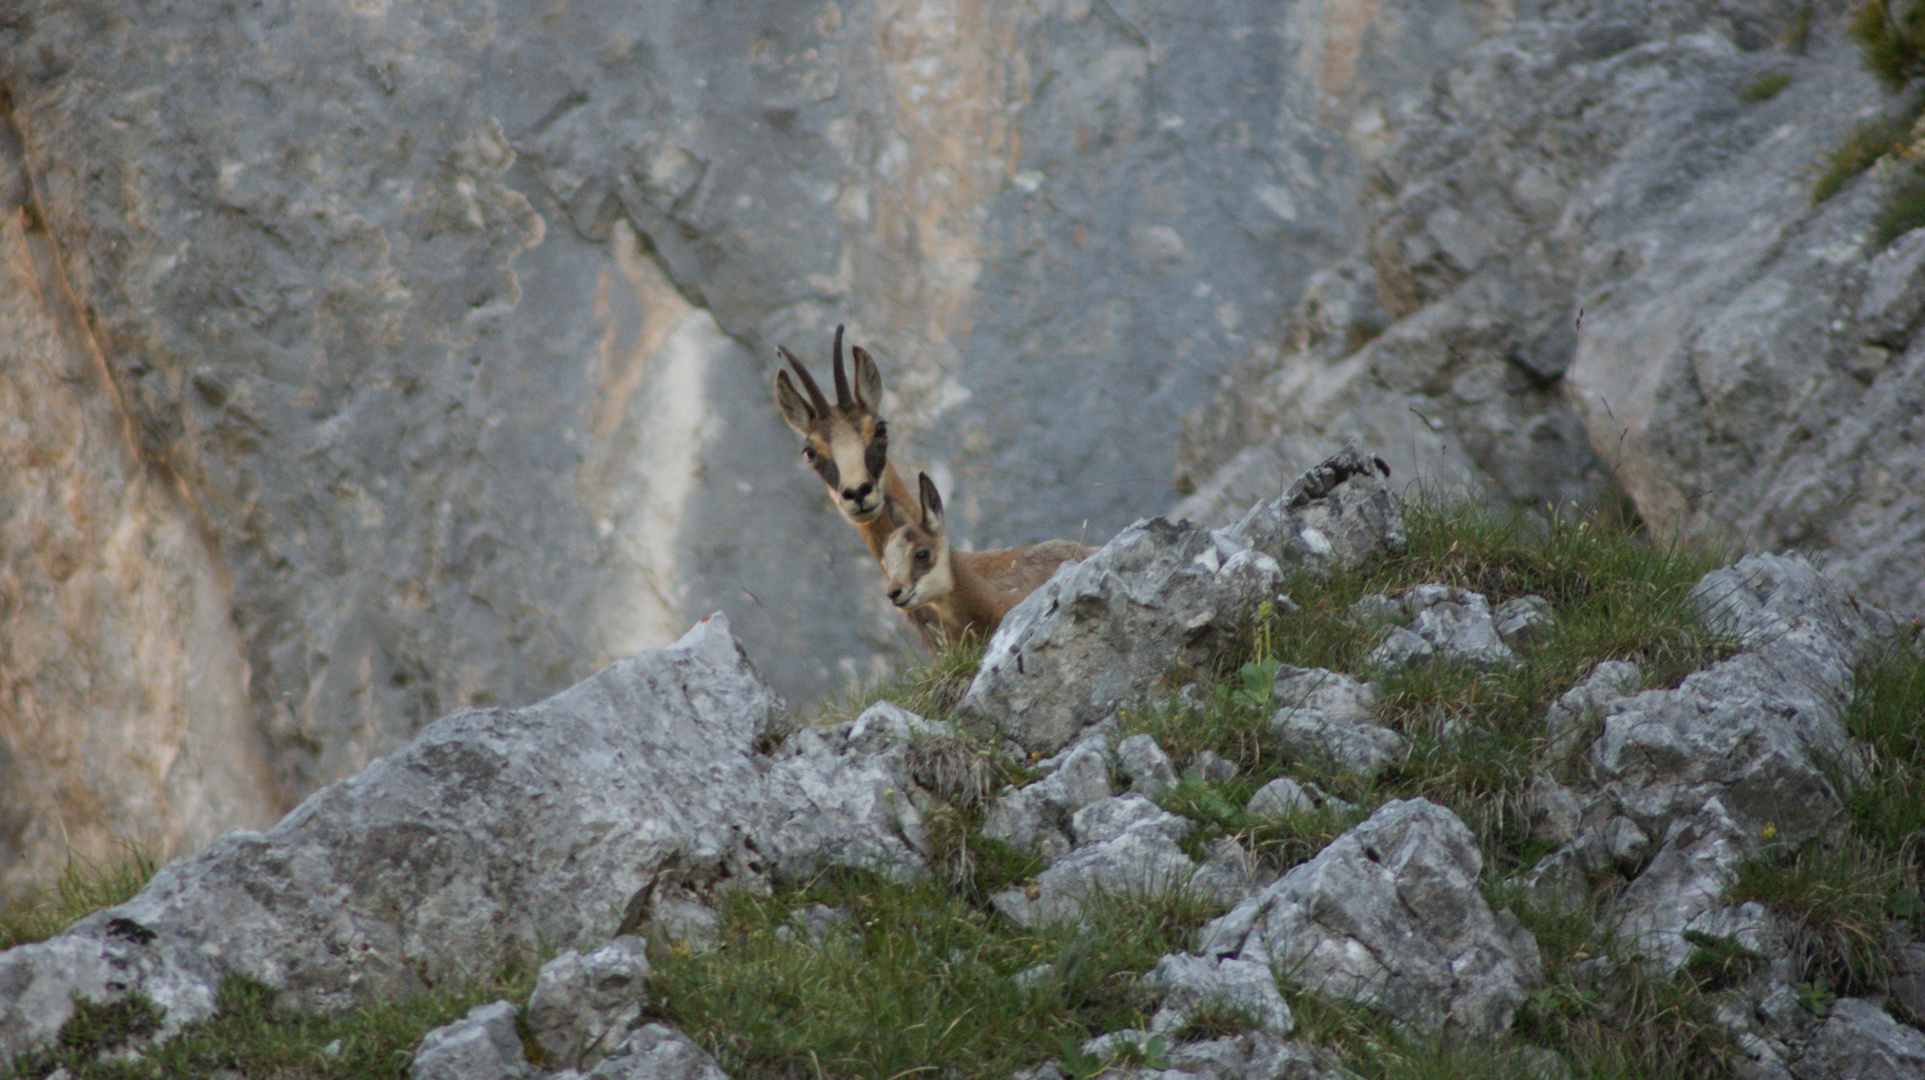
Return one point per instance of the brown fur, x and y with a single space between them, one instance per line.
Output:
846 443
968 592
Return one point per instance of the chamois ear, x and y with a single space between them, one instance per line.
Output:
868 380
931 504
794 408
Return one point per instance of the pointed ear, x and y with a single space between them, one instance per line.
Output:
792 405
868 380
931 504
897 517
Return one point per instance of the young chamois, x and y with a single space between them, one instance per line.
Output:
968 592
848 445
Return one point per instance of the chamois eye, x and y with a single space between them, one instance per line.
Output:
808 453
922 556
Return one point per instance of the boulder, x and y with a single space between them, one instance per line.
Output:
1567 723
1191 985
482 1045
1390 915
1458 625
1102 631
1148 769
494 834
657 1052
584 1004
1860 1041
1327 718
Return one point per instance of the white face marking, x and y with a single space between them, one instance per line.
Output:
921 584
852 470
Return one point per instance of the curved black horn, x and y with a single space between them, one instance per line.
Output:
816 399
843 400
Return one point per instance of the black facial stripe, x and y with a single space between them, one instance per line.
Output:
825 467
876 456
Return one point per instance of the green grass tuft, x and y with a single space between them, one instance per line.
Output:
249 1036
1891 35
1860 149
1836 899
85 886
1904 208
921 978
1766 87
927 689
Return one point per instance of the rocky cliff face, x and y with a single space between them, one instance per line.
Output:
446 331
1594 259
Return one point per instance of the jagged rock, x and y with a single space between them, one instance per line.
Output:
1627 844
1375 611
584 1004
1149 770
1192 984
483 1045
1255 1055
1026 817
1763 597
1279 797
1142 860
886 725
851 809
1860 1041
1568 721
1554 811
814 923
656 1052
1562 881
493 834
1110 818
1339 514
1400 647
1522 619
1327 718
1229 874
1103 630
1211 767
1458 625
1389 914
1893 303
1685 879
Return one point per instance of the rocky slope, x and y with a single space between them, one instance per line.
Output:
1594 258
633 801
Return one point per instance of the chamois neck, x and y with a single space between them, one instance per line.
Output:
973 603
875 532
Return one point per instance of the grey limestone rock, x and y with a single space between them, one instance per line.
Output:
584 1004
1211 767
1685 879
493 834
483 1045
1893 303
1399 647
1554 810
1279 797
1564 880
1327 717
1142 860
1254 1055
1103 630
1390 915
1149 770
1110 818
1567 722
658 1052
1522 619
1026 817
1458 625
1860 1041
852 809
1191 984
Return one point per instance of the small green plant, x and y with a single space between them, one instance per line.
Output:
1718 963
1765 87
1816 996
1891 35
1904 208
85 886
